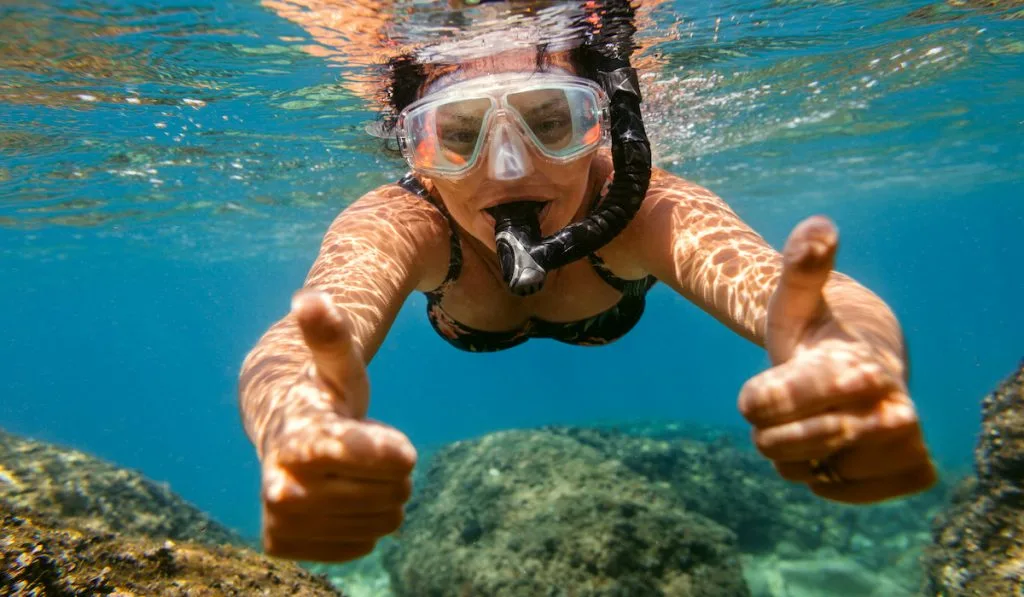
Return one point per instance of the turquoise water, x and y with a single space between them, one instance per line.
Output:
167 170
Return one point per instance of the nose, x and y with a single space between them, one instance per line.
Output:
508 158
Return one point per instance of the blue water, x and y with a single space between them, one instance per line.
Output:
130 303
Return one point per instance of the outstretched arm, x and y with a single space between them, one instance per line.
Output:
694 242
378 250
833 410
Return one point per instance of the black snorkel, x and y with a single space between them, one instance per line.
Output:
525 257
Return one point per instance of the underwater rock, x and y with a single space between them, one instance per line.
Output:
97 495
740 490
979 542
540 513
41 554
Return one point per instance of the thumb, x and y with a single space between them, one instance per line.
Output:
807 261
338 361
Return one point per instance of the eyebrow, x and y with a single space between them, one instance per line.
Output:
550 104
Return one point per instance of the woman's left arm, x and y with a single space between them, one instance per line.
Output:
833 411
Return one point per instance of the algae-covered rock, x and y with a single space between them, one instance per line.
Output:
73 525
73 485
733 485
979 542
540 513
43 555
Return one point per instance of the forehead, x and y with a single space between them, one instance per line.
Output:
519 61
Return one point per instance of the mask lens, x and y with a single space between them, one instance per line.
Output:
460 125
562 121
447 137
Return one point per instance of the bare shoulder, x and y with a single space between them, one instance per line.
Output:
670 200
390 224
391 208
677 219
684 198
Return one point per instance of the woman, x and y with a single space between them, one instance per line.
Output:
518 223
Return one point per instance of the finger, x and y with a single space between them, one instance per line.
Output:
348 529
340 495
807 261
863 462
338 361
316 551
820 436
878 489
348 449
817 383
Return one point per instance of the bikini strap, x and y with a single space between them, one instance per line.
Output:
410 183
630 288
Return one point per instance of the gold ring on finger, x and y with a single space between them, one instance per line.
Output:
824 471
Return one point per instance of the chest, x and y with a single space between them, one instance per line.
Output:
480 299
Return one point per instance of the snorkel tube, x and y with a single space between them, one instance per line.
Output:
525 257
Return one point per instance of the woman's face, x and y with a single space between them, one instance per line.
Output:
562 186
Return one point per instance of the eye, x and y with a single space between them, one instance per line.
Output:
551 125
459 135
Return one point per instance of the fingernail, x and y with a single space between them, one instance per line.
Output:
299 296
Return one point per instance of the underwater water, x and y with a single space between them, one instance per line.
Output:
168 168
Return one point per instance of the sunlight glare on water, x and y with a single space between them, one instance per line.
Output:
212 130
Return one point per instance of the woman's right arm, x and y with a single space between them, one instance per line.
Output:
376 252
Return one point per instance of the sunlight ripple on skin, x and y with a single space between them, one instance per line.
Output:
362 287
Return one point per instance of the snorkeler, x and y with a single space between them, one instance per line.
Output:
518 222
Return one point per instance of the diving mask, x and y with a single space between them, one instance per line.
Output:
445 133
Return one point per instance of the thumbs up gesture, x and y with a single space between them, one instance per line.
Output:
832 411
333 481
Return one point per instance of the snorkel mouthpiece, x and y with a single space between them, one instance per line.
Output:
516 230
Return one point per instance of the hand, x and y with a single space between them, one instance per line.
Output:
333 482
833 412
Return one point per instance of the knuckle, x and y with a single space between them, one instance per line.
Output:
402 491
393 521
362 549
832 425
899 416
926 477
751 397
845 428
743 401
765 441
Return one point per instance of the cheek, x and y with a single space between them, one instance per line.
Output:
466 216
